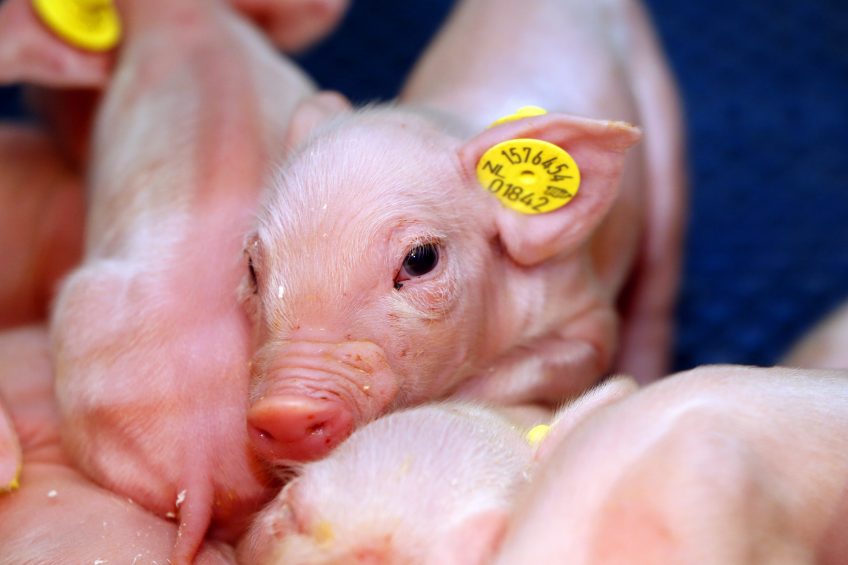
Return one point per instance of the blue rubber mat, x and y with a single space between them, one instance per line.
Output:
766 90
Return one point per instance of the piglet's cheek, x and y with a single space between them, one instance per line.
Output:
314 395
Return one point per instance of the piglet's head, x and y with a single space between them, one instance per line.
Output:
386 496
382 275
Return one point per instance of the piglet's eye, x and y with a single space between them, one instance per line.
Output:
418 262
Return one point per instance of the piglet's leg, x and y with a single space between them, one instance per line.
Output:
57 516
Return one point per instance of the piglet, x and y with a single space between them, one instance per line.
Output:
381 274
58 516
41 213
294 25
32 53
150 345
428 485
64 81
726 465
40 240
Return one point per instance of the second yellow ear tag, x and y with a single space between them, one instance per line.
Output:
523 112
92 25
529 175
536 434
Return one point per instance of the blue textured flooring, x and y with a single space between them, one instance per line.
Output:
765 84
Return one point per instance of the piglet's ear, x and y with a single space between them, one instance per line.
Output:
313 112
598 148
572 415
29 52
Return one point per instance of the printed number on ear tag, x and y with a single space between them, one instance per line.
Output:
530 176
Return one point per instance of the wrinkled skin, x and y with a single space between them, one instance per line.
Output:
150 344
725 465
517 308
59 516
433 484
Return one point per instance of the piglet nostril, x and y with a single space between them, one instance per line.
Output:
297 428
316 428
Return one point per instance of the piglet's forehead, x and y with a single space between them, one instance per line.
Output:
368 176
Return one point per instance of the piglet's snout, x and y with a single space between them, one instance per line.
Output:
313 396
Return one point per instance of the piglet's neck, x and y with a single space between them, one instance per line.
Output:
540 300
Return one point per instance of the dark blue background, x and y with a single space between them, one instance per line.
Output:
765 84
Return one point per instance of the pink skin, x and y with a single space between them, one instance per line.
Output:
40 240
41 183
518 308
43 186
721 464
70 78
294 25
59 516
40 222
31 53
600 60
825 346
151 392
429 485
432 484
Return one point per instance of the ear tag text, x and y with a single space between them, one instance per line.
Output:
530 176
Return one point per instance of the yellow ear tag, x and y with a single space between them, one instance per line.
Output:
530 176
14 484
92 25
323 532
523 112
536 434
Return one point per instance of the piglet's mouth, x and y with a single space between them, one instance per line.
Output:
315 396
